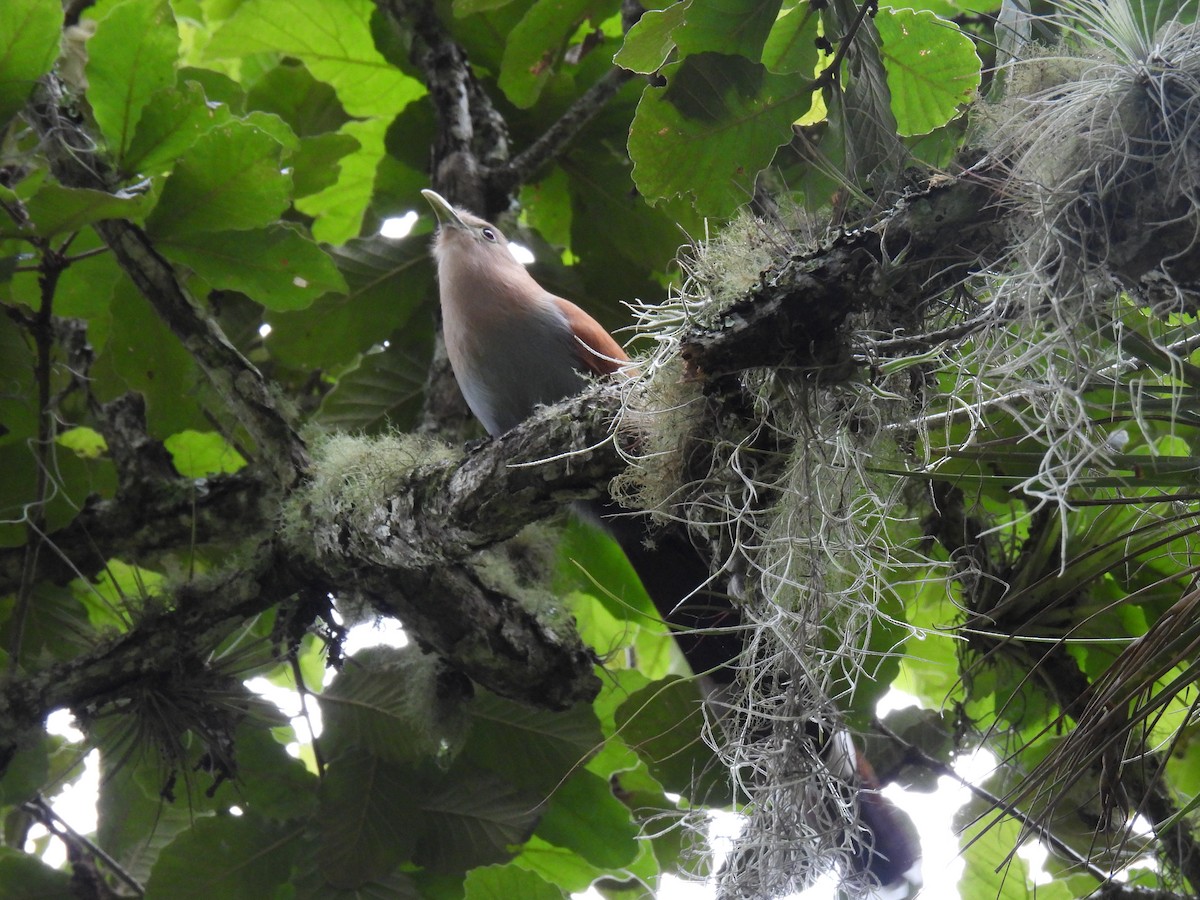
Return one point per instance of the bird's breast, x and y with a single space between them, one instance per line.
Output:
509 361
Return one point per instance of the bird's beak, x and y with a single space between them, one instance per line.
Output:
447 215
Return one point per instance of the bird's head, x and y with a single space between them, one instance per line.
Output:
467 239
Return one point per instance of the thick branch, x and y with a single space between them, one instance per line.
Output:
797 312
411 554
164 516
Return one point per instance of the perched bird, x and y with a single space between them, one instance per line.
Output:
512 343
513 346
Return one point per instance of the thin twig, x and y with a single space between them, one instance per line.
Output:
42 327
57 825
913 752
558 136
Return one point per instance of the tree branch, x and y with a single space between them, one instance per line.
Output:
796 314
75 164
556 138
411 554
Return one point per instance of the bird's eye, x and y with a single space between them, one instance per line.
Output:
489 234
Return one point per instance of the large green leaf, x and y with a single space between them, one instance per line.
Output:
473 818
333 40
289 91
135 822
533 48
70 480
508 883
369 818
56 210
168 376
792 44
26 772
338 209
25 877
310 884
650 41
388 280
229 179
663 722
709 132
531 748
29 31
131 56
385 388
18 397
932 68
231 857
393 703
726 26
586 817
172 121
202 454
278 266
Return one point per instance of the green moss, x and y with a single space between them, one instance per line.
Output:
351 473
523 568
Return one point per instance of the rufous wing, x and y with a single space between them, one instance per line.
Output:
597 350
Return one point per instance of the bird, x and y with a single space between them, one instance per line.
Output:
514 346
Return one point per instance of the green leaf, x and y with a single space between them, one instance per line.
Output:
311 885
650 41
726 26
546 207
932 68
56 210
310 107
168 377
395 704
131 56
134 822
199 454
586 817
230 179
709 132
231 857
985 842
558 865
25 877
472 819
271 782
18 390
508 883
86 442
71 480
117 595
27 770
531 748
791 46
663 722
368 818
384 389
332 38
389 281
534 48
464 8
318 164
338 209
85 289
29 32
171 122
278 266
